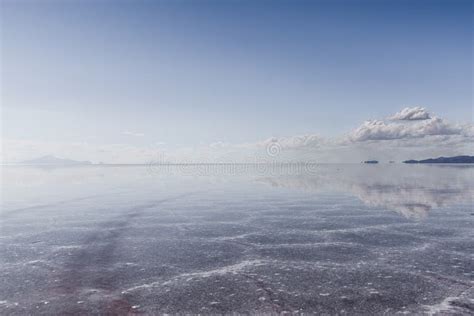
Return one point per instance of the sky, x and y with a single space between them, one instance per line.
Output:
130 81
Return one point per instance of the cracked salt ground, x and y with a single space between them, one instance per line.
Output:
346 240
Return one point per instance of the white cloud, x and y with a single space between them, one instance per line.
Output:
135 134
295 142
380 130
412 114
408 138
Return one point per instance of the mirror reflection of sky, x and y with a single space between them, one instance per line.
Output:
412 191
366 239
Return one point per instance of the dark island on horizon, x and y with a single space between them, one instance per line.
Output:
371 161
455 159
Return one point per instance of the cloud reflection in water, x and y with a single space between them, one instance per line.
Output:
412 191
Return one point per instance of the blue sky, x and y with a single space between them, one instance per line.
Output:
189 73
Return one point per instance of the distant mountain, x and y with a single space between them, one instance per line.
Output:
456 159
52 160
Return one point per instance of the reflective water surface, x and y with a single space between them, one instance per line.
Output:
333 239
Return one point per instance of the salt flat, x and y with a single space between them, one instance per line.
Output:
341 239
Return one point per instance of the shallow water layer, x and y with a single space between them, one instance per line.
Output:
334 239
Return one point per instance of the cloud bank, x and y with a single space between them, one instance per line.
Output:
412 133
295 142
380 130
412 114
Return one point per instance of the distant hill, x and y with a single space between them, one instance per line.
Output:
52 160
456 159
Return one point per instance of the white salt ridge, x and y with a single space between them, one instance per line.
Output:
8 304
67 247
235 268
443 306
453 304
